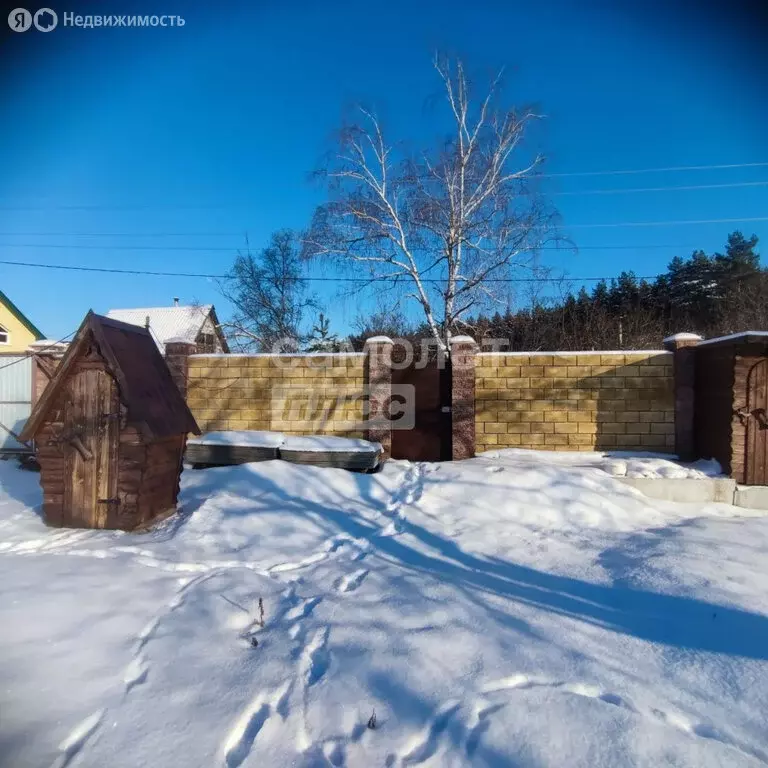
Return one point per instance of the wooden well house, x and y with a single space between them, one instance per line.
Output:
731 404
110 430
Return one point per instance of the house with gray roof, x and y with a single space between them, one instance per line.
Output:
195 323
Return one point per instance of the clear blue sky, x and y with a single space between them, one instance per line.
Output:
206 132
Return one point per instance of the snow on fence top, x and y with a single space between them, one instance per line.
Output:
229 355
583 352
733 336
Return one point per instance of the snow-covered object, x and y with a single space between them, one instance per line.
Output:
250 438
262 439
379 340
329 444
492 612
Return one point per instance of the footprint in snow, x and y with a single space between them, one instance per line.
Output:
351 581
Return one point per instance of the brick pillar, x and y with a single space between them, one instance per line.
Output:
177 352
378 376
463 351
683 347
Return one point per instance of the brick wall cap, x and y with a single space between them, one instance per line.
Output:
683 337
379 340
461 340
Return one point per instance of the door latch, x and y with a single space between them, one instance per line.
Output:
743 414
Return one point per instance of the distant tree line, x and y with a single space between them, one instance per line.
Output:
711 295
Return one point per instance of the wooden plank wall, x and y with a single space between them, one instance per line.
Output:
52 464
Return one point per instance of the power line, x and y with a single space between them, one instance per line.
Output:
235 205
667 169
123 234
667 223
109 270
219 249
735 220
662 189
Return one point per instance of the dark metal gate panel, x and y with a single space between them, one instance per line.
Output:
429 439
15 398
757 425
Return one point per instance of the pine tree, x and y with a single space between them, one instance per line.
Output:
321 339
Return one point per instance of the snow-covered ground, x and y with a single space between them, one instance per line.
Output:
616 463
494 612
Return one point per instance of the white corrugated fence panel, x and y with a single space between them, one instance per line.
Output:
15 397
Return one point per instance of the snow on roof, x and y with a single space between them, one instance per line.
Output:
166 323
733 336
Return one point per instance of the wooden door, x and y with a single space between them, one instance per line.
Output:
91 427
756 465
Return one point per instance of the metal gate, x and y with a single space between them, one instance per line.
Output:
429 439
15 398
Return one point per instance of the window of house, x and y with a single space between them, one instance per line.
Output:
4 336
206 342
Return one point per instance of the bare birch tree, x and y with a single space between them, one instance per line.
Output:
269 295
448 225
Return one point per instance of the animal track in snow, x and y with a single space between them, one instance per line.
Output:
241 737
334 753
331 546
77 738
135 673
351 581
673 719
240 740
316 657
425 744
303 609
479 725
309 560
409 493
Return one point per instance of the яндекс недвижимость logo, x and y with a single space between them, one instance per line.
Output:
44 19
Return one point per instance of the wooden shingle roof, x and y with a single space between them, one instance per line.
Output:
146 388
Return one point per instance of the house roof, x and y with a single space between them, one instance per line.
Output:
21 317
166 323
146 388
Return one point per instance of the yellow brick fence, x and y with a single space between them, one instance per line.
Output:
555 401
295 394
575 401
